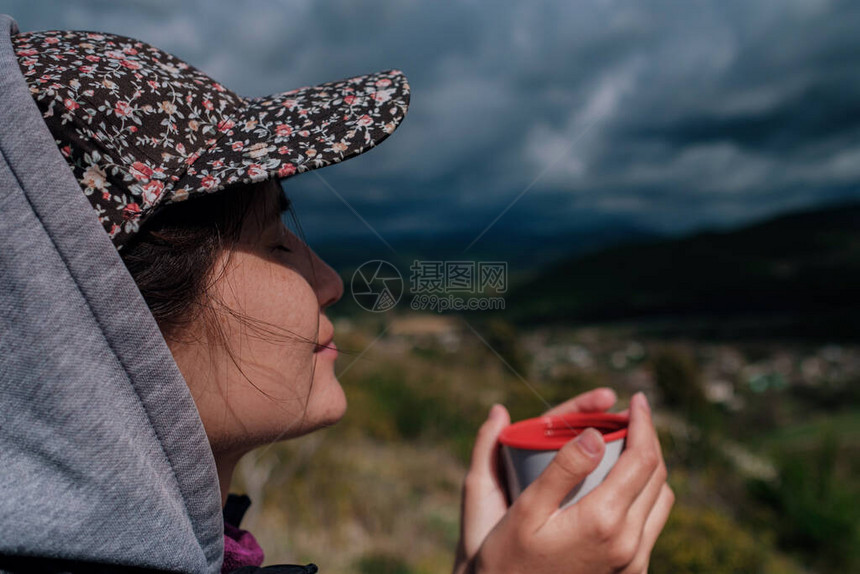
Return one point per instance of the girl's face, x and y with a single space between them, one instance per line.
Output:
255 370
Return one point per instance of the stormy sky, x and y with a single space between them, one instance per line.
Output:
673 116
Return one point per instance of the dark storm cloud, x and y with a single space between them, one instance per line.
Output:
670 114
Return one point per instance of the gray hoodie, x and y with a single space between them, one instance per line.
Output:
103 456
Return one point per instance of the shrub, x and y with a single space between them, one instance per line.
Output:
701 540
383 564
816 513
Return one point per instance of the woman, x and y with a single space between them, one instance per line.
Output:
141 358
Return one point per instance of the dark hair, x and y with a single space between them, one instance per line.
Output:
173 255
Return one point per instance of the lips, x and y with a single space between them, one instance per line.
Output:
320 346
325 332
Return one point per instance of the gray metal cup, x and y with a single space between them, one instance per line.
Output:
524 465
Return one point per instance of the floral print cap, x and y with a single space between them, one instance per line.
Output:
142 129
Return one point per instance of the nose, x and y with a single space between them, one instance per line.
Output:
326 282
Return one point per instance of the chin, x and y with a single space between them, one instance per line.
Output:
328 403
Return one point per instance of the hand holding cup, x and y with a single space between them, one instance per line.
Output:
611 529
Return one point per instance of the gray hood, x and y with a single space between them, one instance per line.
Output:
103 456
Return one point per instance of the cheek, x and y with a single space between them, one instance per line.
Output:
281 296
275 323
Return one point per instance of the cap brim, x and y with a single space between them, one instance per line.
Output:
289 133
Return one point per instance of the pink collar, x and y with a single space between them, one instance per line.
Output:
240 549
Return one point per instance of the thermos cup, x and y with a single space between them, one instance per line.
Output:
528 447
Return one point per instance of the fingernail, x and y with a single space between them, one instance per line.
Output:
590 441
643 400
494 411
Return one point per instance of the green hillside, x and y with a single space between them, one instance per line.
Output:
802 268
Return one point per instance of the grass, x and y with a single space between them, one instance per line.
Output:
804 434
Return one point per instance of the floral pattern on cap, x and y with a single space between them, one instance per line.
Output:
142 129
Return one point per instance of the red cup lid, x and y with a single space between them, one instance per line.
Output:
553 432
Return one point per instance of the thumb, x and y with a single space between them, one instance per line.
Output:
571 465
